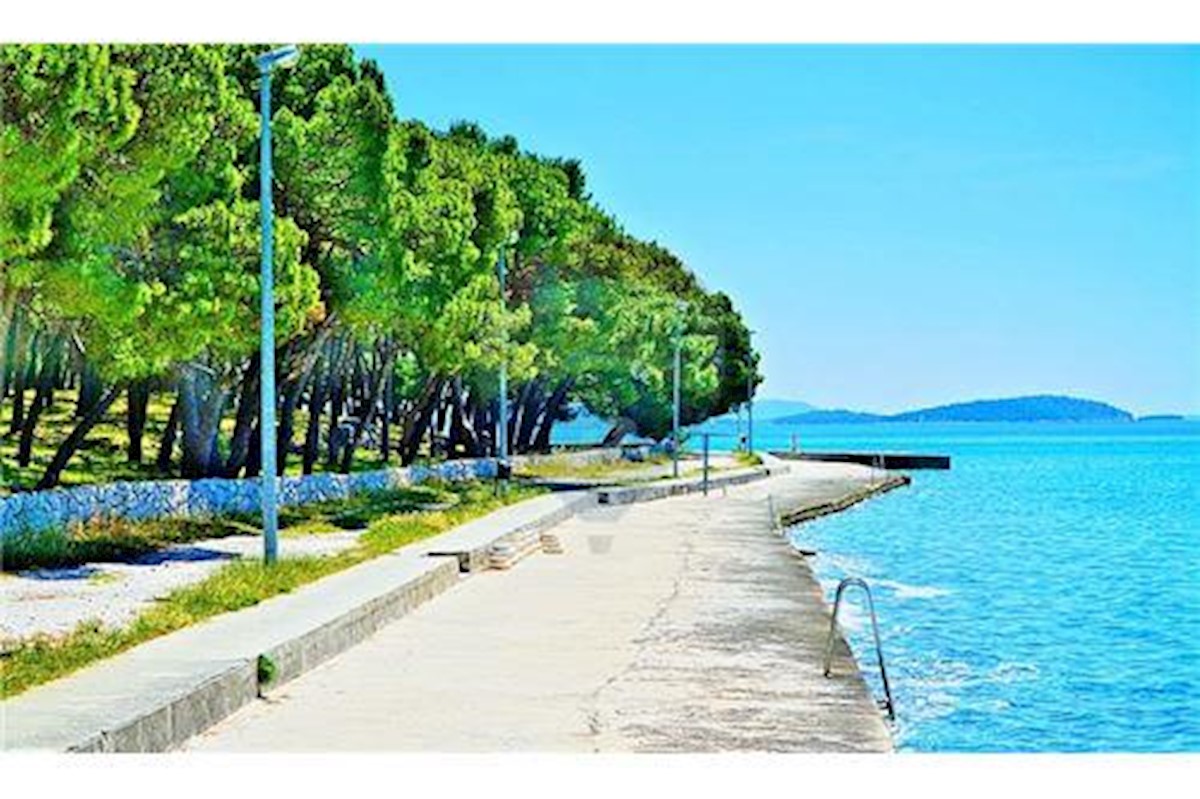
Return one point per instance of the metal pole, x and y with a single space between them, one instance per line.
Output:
675 427
705 464
750 411
270 460
502 422
750 393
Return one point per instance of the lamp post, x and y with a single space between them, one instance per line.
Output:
750 396
502 421
681 307
283 57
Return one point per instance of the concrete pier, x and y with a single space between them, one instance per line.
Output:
882 460
680 625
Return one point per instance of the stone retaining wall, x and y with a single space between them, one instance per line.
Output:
158 499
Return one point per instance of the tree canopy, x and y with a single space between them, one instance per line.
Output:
129 246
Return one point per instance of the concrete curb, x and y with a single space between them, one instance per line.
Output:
157 695
787 519
473 544
623 495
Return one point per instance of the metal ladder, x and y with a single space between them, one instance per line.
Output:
886 703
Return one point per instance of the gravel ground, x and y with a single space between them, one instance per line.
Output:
54 601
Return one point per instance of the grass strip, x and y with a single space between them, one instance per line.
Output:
241 584
563 467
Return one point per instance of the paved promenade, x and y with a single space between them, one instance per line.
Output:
678 625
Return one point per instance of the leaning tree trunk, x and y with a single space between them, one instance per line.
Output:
135 418
462 429
23 371
166 449
295 384
337 397
47 374
389 398
419 418
551 412
316 405
10 317
623 427
91 389
71 444
370 406
202 401
247 413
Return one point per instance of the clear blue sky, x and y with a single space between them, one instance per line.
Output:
904 226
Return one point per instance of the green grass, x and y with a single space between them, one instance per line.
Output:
242 584
108 540
743 458
562 467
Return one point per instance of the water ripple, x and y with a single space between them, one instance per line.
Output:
1040 596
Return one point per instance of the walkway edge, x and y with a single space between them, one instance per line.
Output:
155 696
788 518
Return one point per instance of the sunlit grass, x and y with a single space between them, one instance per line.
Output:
390 523
563 467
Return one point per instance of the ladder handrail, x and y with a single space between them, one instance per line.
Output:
857 582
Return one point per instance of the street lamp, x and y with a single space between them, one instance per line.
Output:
750 394
283 57
681 307
502 467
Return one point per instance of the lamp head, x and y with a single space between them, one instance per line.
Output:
283 57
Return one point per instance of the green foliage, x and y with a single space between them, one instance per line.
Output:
267 670
129 228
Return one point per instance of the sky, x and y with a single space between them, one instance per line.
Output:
902 226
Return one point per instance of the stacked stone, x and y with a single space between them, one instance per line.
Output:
59 509
508 551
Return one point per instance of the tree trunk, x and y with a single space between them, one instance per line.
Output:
418 421
551 412
462 430
10 316
389 395
316 405
336 402
203 401
41 401
166 449
368 409
70 445
135 418
22 368
90 389
285 430
247 413
623 427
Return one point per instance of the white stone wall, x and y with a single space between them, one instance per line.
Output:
158 499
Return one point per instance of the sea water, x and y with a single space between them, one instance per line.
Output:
1041 596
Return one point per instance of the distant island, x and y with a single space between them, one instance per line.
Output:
1042 408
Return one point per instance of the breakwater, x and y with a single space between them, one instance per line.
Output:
882 460
816 510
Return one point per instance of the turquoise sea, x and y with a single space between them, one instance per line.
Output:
1041 596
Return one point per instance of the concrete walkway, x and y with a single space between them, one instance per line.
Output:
684 624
